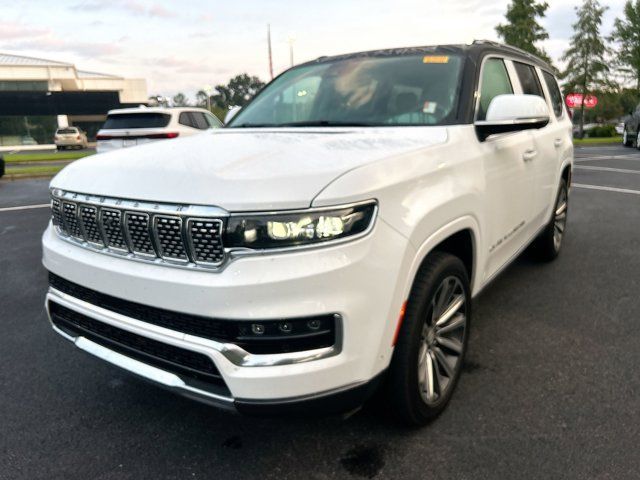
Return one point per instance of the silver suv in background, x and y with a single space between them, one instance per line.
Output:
70 137
135 126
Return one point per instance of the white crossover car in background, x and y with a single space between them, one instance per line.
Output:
70 137
328 241
127 127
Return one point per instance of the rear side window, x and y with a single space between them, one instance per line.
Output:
528 79
199 121
495 81
119 121
554 92
186 120
194 120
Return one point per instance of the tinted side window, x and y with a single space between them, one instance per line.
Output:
528 79
199 121
554 92
186 120
495 81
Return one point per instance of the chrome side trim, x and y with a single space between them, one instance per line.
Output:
233 353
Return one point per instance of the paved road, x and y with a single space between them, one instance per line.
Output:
551 388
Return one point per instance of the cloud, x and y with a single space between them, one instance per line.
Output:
131 6
13 30
51 43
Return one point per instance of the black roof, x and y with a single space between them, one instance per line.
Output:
476 50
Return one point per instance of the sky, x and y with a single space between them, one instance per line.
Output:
182 46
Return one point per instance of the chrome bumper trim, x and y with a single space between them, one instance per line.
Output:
233 353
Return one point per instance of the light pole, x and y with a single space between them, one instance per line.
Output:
207 89
291 40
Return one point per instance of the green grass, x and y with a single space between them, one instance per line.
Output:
28 170
597 141
44 157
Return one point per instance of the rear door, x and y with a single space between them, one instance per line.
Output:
543 163
559 142
508 183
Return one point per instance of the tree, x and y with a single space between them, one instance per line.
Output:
201 99
237 92
626 32
586 63
180 100
522 29
158 100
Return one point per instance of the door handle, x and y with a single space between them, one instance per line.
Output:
529 155
558 142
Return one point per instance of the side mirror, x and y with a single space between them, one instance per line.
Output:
513 113
230 114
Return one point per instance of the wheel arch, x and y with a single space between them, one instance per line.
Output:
461 238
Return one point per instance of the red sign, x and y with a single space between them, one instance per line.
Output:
574 100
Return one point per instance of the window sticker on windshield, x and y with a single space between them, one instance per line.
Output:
435 59
429 107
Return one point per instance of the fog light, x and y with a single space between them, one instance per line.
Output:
257 329
313 324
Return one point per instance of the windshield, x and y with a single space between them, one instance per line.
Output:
136 120
364 91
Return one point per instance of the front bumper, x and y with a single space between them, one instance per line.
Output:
357 280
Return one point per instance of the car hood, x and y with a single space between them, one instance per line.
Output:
241 169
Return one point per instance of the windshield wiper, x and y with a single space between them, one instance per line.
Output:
254 125
309 123
326 123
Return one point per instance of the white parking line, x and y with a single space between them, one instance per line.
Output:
24 207
608 189
596 158
606 169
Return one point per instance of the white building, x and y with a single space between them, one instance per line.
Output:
37 95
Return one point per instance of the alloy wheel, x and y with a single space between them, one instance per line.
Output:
560 218
442 341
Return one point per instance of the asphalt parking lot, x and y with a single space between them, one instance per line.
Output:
551 387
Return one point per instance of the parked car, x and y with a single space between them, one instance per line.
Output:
631 132
620 128
328 241
70 137
127 127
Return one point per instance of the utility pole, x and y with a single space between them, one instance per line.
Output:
269 48
291 41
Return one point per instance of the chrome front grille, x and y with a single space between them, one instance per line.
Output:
89 221
170 240
175 234
111 224
139 233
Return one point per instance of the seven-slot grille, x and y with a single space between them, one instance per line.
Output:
140 232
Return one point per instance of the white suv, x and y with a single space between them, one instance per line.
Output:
127 127
329 240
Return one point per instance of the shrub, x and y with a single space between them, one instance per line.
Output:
602 131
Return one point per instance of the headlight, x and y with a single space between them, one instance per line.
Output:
304 227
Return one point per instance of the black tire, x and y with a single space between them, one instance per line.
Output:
404 390
547 245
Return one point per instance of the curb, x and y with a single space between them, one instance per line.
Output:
11 177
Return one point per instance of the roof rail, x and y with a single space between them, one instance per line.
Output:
508 47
